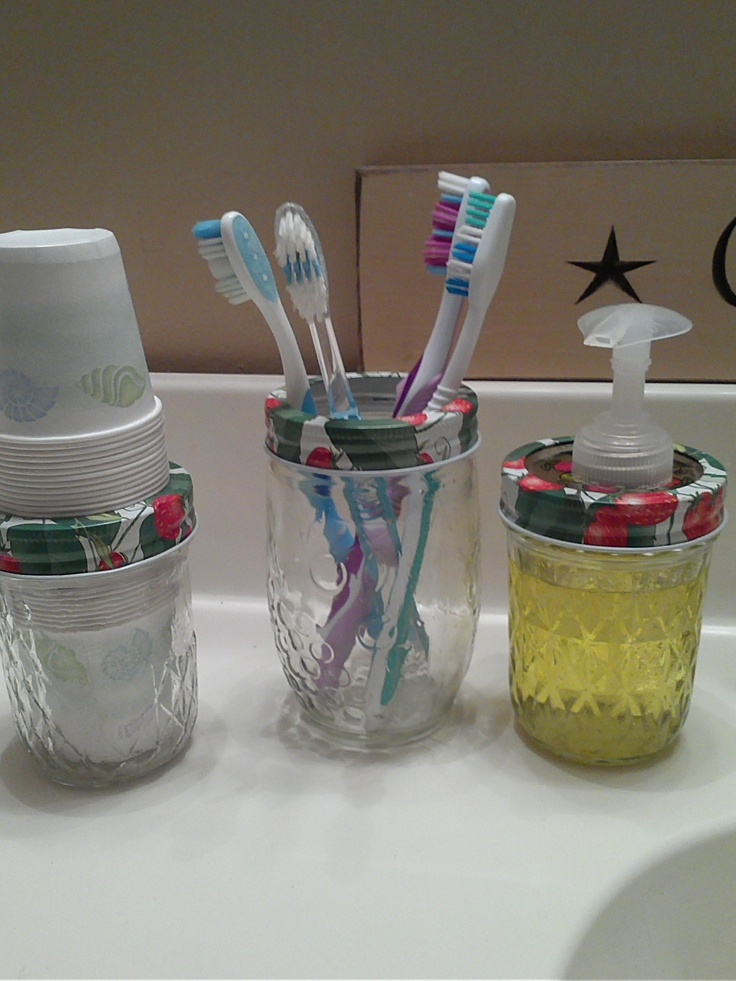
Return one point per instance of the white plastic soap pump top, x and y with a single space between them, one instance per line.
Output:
625 447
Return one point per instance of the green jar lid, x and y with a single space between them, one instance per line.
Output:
539 494
377 441
100 542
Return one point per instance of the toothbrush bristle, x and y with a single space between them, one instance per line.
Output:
452 184
297 255
460 263
437 246
479 207
212 249
445 215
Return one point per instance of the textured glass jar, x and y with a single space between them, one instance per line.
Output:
603 646
101 668
604 640
100 665
373 577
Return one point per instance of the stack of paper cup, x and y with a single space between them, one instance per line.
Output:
80 428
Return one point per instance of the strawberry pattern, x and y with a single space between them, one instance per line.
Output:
376 443
100 542
541 495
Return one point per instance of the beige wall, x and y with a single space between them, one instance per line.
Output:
144 117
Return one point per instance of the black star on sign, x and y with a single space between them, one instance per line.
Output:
610 269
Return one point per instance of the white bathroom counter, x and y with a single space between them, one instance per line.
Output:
264 852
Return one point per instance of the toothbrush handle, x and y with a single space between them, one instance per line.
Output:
422 380
485 276
295 375
458 364
413 396
339 395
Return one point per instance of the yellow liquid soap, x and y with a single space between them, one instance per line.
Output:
603 647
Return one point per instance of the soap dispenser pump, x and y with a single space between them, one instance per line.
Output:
609 541
624 446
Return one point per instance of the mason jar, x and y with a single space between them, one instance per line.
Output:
606 592
373 562
97 639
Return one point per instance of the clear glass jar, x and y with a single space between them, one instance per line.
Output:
373 594
603 646
373 560
606 591
101 668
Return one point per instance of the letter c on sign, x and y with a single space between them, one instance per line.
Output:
720 279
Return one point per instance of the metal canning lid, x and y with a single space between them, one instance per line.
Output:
377 441
539 494
100 542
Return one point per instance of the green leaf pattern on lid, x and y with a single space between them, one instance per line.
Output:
540 494
100 542
376 443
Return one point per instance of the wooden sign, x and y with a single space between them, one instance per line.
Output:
585 235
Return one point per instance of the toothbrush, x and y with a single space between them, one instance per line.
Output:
474 270
375 510
299 253
401 618
239 263
456 207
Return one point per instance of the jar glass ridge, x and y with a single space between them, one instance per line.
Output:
373 593
603 646
606 595
101 667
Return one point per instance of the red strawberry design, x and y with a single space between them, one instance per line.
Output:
459 405
646 509
112 561
703 515
531 483
272 405
9 563
605 531
415 420
168 516
320 457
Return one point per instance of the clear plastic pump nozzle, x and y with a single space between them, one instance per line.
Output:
625 447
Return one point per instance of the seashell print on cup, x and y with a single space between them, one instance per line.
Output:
69 334
59 661
21 400
124 662
114 385
81 430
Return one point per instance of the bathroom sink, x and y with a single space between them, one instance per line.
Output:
676 919
263 852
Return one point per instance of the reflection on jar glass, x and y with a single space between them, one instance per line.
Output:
603 647
606 593
373 573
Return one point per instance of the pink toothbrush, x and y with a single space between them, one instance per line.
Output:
450 215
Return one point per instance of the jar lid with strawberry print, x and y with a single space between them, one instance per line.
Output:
540 495
100 542
377 441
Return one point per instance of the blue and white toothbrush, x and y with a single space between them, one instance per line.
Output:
474 270
462 200
299 253
238 262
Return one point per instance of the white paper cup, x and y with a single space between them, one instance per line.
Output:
73 362
63 477
80 427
